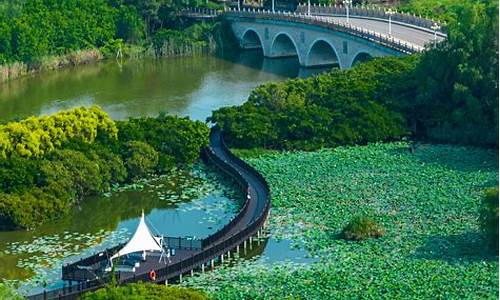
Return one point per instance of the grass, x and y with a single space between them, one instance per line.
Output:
428 202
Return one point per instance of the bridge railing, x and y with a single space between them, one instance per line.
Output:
372 12
221 245
73 271
200 12
325 22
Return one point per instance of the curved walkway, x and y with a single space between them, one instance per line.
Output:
247 223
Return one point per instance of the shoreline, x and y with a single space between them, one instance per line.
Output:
17 70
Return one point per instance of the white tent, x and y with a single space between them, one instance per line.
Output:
141 241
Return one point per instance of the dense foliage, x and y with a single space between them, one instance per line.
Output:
427 201
362 227
337 108
456 83
442 10
33 29
489 217
448 94
35 136
82 152
144 291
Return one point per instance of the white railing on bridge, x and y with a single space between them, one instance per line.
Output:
323 21
372 12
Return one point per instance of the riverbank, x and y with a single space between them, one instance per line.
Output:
427 201
196 40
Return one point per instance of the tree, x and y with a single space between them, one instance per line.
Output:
457 98
140 158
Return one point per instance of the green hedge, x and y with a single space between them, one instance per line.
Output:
144 291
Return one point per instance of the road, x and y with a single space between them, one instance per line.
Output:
403 33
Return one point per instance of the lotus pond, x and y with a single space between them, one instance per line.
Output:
183 203
428 202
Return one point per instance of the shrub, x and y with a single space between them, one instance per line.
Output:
36 136
18 173
362 227
489 216
140 158
139 291
84 172
178 137
29 209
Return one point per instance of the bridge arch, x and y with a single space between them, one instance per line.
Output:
283 45
360 57
250 39
322 53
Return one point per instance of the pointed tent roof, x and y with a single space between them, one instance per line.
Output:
142 240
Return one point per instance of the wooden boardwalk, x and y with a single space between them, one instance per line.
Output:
233 236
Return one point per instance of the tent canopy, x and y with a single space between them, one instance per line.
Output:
141 241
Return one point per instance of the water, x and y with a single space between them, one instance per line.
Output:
183 86
182 204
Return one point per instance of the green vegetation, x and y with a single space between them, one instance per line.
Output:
341 107
427 201
8 293
139 291
49 34
36 136
447 94
489 217
456 100
361 228
49 163
140 159
442 10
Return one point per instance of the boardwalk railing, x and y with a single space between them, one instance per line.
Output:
221 242
328 23
372 12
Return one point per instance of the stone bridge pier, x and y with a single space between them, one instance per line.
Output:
314 46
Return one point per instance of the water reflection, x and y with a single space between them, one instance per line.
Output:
286 67
192 86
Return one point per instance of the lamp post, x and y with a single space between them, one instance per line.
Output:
347 3
239 6
390 12
308 7
435 27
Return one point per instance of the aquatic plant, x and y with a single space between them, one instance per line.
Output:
489 217
427 201
362 227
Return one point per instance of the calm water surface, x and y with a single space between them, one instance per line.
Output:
184 204
183 86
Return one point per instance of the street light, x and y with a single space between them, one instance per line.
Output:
435 27
390 12
272 4
347 3
308 7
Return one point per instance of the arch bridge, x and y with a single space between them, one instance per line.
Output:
324 40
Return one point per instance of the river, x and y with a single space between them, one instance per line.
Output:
186 203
